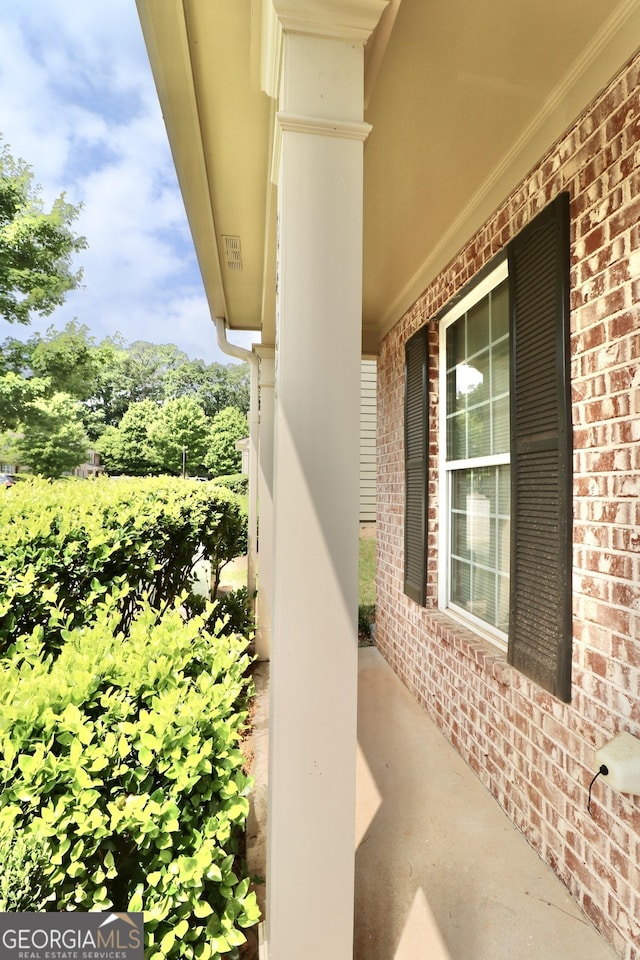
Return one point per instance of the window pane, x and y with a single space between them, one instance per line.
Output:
500 311
480 378
456 342
460 488
457 437
479 545
500 368
501 426
459 536
456 395
479 431
477 379
478 327
461 583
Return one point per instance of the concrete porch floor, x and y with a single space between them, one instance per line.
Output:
441 873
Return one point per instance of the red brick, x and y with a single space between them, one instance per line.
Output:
617 121
626 218
624 324
592 171
611 564
610 101
599 210
596 663
594 240
631 132
592 338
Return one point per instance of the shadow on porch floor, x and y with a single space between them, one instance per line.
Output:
441 872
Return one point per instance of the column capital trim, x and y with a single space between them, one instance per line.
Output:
265 351
343 129
267 355
353 20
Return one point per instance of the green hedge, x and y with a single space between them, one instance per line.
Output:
65 546
236 482
122 778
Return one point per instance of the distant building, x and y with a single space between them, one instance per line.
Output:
92 468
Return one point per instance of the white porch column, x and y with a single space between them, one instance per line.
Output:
314 641
265 501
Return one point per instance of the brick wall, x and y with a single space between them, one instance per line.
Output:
533 752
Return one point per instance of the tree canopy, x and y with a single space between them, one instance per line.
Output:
144 406
228 426
68 359
128 448
36 245
16 395
50 436
55 441
181 429
140 406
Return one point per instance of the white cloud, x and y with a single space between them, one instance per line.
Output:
79 105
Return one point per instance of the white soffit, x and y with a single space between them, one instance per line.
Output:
218 121
459 117
165 34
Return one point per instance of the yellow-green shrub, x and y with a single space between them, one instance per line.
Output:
65 546
121 757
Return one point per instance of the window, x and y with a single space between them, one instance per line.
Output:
505 461
474 468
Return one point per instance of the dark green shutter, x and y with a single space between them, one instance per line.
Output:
416 422
540 607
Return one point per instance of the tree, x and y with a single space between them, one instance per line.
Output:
15 355
236 380
126 375
16 395
51 437
228 426
127 448
180 429
159 372
36 246
111 397
61 361
215 386
147 367
68 359
111 376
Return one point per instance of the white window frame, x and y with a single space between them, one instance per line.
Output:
445 469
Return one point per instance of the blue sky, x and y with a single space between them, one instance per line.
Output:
78 104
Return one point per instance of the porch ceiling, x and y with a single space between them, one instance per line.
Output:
463 98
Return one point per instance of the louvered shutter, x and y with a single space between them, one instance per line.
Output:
416 466
540 591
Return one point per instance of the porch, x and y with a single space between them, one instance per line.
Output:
441 872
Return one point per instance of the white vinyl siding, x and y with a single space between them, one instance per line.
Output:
368 383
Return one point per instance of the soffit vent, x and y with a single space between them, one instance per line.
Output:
232 253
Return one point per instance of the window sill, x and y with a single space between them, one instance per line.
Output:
477 629
483 653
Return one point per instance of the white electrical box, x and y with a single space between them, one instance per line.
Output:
621 757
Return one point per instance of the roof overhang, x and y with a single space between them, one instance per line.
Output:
464 99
